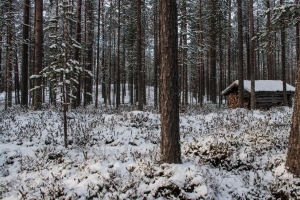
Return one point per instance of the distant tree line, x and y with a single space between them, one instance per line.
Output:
115 44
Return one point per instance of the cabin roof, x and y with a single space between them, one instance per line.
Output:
260 86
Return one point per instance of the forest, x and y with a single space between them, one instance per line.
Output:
127 99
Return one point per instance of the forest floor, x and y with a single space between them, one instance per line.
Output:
226 154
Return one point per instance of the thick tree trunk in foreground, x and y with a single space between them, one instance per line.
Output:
38 52
293 156
169 95
297 39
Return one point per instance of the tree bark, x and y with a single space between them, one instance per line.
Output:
139 56
156 54
184 54
1 76
118 71
169 95
252 56
201 56
98 54
283 77
269 55
103 59
24 69
9 58
293 155
221 66
229 45
89 53
17 79
297 38
38 52
76 102
240 56
213 53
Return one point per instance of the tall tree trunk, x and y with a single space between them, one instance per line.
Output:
98 54
297 39
17 80
9 54
201 56
1 76
240 55
113 70
269 54
213 53
139 56
293 155
221 66
31 62
124 70
170 138
89 53
229 45
76 102
24 69
252 56
247 44
207 74
283 43
156 53
143 18
118 71
1 72
257 74
38 53
102 58
184 54
181 70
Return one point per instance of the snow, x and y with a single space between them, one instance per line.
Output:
226 154
262 86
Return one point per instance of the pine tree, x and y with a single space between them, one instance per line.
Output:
139 56
63 71
77 101
38 54
25 54
283 67
252 56
169 100
240 55
9 55
118 70
98 54
88 85
213 52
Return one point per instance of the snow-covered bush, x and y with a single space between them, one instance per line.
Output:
227 154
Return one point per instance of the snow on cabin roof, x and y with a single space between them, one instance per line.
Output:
261 86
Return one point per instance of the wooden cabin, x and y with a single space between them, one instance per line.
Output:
268 93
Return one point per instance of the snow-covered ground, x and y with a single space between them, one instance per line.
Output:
226 154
